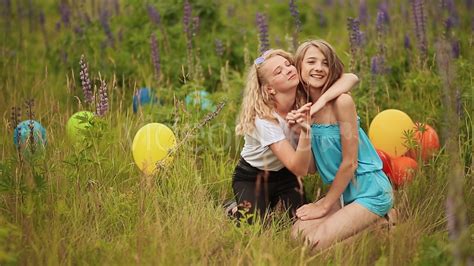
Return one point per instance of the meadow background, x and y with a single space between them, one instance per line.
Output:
91 204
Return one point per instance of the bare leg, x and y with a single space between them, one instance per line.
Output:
342 224
302 228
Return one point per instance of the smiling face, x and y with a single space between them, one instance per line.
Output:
318 66
314 68
278 74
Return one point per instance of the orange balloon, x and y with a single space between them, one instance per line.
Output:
403 170
427 141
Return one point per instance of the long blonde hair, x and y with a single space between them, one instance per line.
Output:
336 67
258 101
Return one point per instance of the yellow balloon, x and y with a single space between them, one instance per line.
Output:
150 145
386 131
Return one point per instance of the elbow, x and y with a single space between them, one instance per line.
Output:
354 78
298 171
350 166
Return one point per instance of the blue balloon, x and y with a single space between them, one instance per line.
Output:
143 97
200 98
22 133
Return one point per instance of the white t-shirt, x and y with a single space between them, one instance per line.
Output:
256 150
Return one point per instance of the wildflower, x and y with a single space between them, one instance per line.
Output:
154 15
15 116
65 12
103 104
295 14
187 23
263 32
407 42
85 81
104 21
456 48
377 65
420 25
383 8
363 13
155 55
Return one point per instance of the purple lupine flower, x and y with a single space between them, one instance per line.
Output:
383 7
42 21
85 81
104 21
15 117
355 36
29 109
451 8
469 4
57 26
154 15
456 48
377 65
374 69
219 47
363 13
407 42
420 26
380 22
155 56
78 30
187 13
262 32
295 14
448 24
65 12
103 104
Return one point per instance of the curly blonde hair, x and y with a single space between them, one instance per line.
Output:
258 101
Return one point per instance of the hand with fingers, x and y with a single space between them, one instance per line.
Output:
312 211
300 119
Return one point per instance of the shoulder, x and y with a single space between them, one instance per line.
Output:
265 125
344 101
344 105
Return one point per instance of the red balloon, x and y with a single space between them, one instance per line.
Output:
403 170
387 162
427 141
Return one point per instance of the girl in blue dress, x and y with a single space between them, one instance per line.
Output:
360 193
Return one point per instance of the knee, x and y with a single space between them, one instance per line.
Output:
319 238
297 230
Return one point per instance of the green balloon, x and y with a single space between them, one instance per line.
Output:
77 124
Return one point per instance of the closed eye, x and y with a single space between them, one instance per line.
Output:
277 71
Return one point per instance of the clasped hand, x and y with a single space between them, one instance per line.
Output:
300 119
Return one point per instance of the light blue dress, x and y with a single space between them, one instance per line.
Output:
370 187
